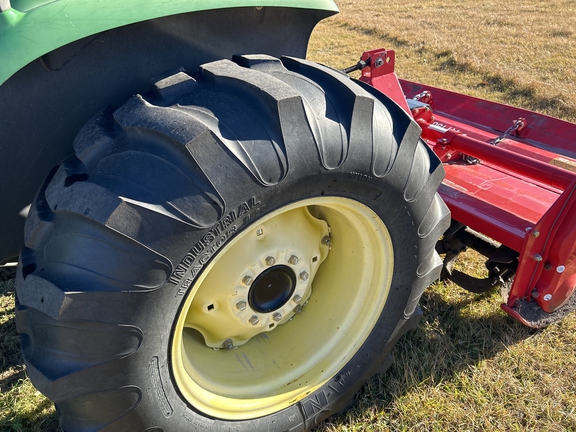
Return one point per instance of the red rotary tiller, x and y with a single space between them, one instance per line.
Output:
510 185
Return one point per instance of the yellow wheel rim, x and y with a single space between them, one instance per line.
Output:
282 308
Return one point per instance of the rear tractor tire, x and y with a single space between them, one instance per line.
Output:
235 251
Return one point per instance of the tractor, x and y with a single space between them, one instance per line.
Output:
215 234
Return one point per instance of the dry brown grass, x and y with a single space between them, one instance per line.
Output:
519 52
469 367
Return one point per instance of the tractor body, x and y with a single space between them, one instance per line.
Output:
218 192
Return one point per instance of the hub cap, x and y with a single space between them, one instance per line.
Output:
272 289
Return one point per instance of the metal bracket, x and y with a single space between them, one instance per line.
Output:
531 314
516 127
501 263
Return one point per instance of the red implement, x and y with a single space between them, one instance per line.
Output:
510 175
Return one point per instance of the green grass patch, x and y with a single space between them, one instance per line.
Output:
22 407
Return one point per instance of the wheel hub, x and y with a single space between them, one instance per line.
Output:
272 289
262 281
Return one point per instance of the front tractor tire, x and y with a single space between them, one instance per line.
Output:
238 250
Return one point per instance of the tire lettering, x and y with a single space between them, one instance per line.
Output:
198 253
360 176
340 383
337 386
312 406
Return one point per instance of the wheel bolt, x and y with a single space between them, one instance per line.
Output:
277 317
304 275
228 344
297 309
270 261
326 241
293 260
241 305
296 298
247 280
254 320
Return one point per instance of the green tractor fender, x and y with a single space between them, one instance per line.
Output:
31 28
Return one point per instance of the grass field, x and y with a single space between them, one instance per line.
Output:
468 367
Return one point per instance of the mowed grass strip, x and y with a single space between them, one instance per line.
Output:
468 367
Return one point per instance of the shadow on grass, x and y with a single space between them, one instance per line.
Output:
32 421
450 339
13 377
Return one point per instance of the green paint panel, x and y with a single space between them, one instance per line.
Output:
33 28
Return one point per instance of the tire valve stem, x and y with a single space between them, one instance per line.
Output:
228 344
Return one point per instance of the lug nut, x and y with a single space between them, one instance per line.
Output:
277 317
293 260
254 320
297 298
228 344
241 305
303 276
247 280
297 309
326 241
270 261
